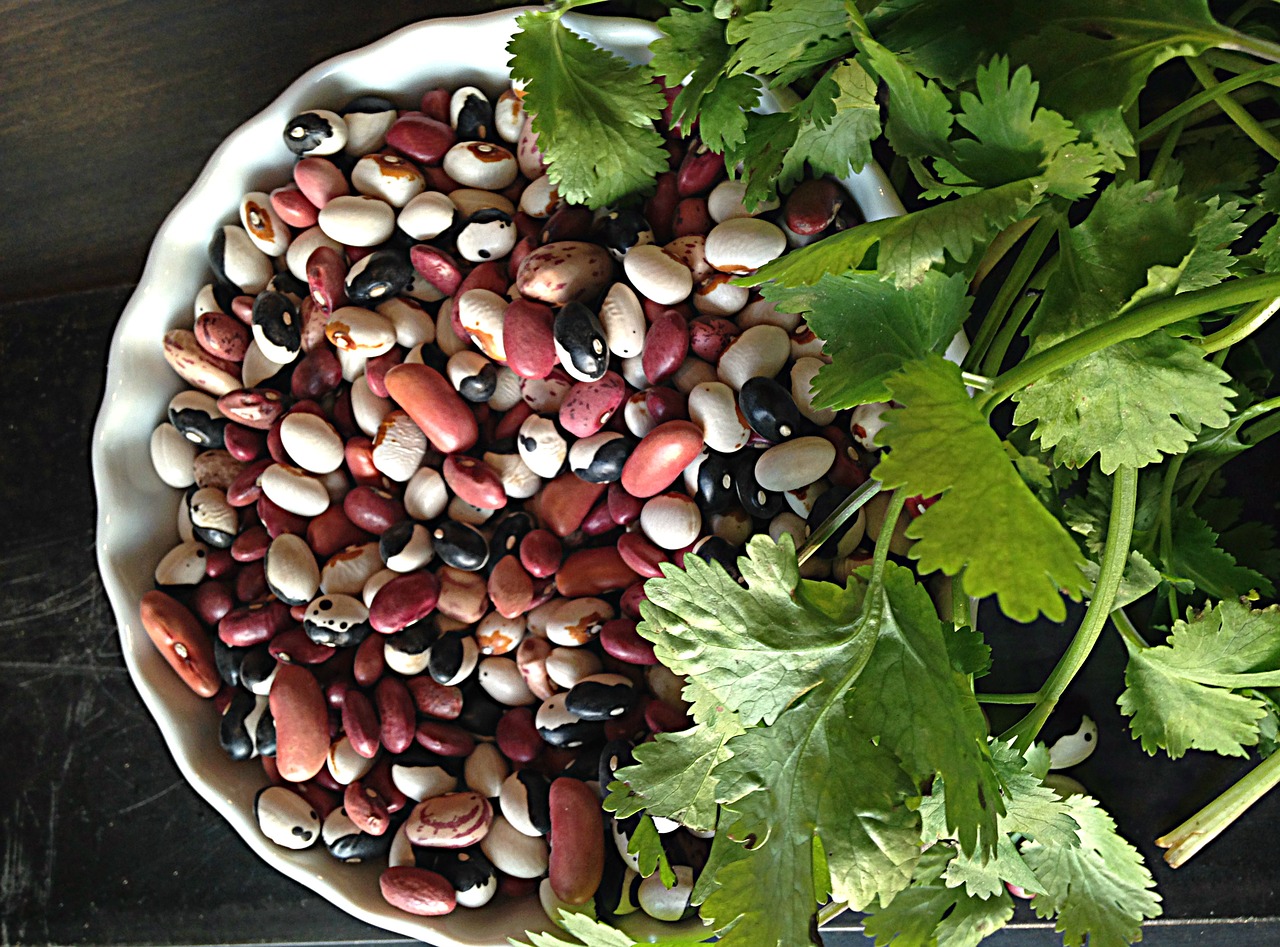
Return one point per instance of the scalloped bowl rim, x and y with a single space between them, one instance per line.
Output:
139 385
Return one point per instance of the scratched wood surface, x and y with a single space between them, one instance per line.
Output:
110 110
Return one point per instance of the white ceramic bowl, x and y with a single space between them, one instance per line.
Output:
136 512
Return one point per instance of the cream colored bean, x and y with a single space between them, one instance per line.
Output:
657 275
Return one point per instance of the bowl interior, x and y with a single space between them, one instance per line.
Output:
137 512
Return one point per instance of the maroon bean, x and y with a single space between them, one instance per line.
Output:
250 545
404 600
527 228
441 701
474 481
219 563
710 337
510 887
623 507
316 374
335 693
366 808
509 424
595 571
243 443
665 346
421 138
370 661
565 502
242 308
372 509
326 274
699 171
212 600
652 310
437 267
323 800
379 779
620 640
691 217
666 404
253 624
517 736
435 103
812 206
376 368
417 890
275 446
570 222
589 404
222 336
292 646
528 338
396 714
435 406
332 531
360 723
576 862
444 738
598 521
438 180
660 718
325 780
358 456
302 723
244 489
631 599
278 520
541 553
660 209
641 555
251 581
510 587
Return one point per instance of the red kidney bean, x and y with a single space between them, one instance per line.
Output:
490 275
660 209
250 545
332 531
666 404
631 599
293 207
322 799
358 456
372 509
429 398
474 481
326 276
589 404
212 600
710 337
335 693
598 521
243 443
565 501
438 268
251 581
593 572
576 862
253 624
343 415
376 368
417 890
620 640
360 723
527 228
292 646
660 458
278 520
421 138
517 736
316 374
528 338
370 661
661 718
439 180
324 779
302 723
242 308
379 779
396 714
404 600
219 563
812 206
181 641
275 446
623 507
444 738
700 170
691 217
541 553
244 489
665 346
441 701
366 808
510 587
570 222
509 424
298 613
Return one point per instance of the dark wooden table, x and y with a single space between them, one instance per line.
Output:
109 111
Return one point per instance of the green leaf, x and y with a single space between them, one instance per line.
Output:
932 912
1196 556
872 328
763 155
592 933
841 143
988 523
1217 167
920 116
1135 401
1180 694
1211 260
593 112
1099 889
646 845
792 39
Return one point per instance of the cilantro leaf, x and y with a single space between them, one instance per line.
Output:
763 156
1197 556
791 39
593 112
1211 260
872 329
592 933
1137 400
1098 888
1180 694
934 912
646 845
841 142
1217 167
920 116
988 523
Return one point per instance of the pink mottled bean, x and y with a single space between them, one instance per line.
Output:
665 346
320 181
590 404
326 273
222 336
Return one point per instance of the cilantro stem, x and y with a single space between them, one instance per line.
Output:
1124 496
1207 824
829 912
1242 326
1127 630
1029 698
897 501
1011 328
1236 112
1212 93
827 528
1137 322
1004 242
1166 525
1255 46
1163 156
1041 233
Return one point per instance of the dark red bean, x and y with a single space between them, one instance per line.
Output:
661 718
665 346
631 599
510 587
244 443
541 553
316 374
623 507
421 138
251 581
710 337
253 624
509 424
332 531
376 368
660 209
691 217
358 456
212 600
437 267
370 661
528 338
326 275
576 862
812 206
620 640
490 275
594 572
517 736
322 799
434 699
366 808
251 545
278 520
379 778
302 723
293 207
396 714
444 738
700 170
219 563
292 646
244 489
372 509
474 481
570 222
404 600
565 502
335 693
360 723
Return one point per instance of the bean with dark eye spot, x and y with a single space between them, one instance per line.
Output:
276 327
473 375
769 409
580 342
755 499
377 277
622 229
509 533
720 550
452 660
717 486
460 545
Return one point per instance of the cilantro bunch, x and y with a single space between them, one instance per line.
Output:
1094 200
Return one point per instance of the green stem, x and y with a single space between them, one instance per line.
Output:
1253 45
961 612
1021 271
1165 154
1207 824
1133 324
1166 525
1256 433
1002 244
1115 554
1236 112
897 500
1127 630
1242 326
1219 131
827 528
1234 62
1030 698
1013 325
829 912
1213 92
